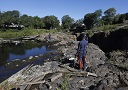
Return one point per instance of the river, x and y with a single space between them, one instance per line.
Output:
11 52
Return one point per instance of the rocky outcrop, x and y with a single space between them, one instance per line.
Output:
112 40
58 37
106 76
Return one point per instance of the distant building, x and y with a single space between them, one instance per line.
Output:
12 26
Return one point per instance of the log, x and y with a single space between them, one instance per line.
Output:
68 68
38 82
82 74
77 72
54 77
37 78
91 74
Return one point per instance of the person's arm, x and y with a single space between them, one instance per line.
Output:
78 48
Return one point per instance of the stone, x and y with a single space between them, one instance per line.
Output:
31 57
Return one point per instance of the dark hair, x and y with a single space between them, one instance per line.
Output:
82 36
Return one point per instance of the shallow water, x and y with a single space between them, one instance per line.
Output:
9 52
29 52
12 52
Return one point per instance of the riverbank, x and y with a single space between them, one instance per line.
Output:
61 73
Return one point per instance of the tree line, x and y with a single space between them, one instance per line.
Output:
95 19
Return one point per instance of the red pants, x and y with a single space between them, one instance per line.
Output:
80 62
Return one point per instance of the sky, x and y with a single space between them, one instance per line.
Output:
76 9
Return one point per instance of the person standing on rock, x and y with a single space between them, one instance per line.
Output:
49 36
81 52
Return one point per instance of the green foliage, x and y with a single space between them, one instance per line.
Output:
121 18
65 82
106 28
109 15
93 19
51 22
126 16
90 19
116 19
67 21
25 32
10 17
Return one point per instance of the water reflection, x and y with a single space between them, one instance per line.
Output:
10 52
30 52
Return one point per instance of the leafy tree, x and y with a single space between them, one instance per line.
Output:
116 19
41 23
109 15
26 20
99 15
51 22
121 18
90 20
126 16
93 19
10 17
79 22
67 21
0 18
38 22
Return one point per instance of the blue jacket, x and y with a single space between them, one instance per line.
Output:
82 47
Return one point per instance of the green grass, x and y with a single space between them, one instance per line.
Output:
65 82
25 32
106 28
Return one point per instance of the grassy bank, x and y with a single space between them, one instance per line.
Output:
25 32
106 28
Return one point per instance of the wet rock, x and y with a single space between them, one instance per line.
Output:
31 57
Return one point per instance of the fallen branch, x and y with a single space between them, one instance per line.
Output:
91 74
38 78
38 82
68 68
54 77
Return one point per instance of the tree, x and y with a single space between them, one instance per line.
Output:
38 22
79 22
109 15
0 18
126 16
121 18
93 19
90 20
99 15
26 20
116 19
8 18
67 21
11 17
51 22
